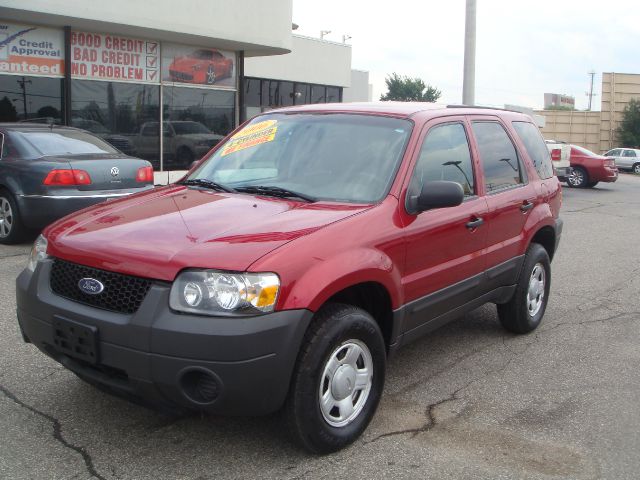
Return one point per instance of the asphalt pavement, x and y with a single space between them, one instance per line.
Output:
470 401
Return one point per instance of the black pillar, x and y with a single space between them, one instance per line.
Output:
67 76
241 88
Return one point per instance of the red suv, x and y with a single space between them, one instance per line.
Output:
589 169
296 257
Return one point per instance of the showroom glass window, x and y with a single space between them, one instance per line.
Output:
117 113
195 119
31 98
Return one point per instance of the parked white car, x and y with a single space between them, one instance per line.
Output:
626 158
560 158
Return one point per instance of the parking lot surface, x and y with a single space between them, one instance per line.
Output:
468 401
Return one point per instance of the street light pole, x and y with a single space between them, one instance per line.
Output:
469 79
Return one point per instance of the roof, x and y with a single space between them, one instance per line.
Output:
26 126
400 109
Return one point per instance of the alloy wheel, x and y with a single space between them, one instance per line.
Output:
6 218
576 178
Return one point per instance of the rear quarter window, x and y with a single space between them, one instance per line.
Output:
536 148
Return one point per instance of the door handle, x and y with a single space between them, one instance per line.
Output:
475 223
526 206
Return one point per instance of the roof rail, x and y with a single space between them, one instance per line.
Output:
482 107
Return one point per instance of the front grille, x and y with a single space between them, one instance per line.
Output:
122 293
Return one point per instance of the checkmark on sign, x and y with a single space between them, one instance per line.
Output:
152 47
152 61
152 75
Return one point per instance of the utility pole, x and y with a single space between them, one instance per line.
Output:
469 79
23 86
591 94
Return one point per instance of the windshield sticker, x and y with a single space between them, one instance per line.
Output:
261 132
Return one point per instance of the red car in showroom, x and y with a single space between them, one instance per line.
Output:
589 168
202 66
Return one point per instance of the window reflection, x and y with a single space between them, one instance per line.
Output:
30 98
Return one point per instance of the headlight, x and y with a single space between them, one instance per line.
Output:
209 292
38 252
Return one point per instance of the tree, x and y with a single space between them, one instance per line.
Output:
628 132
8 112
405 89
560 107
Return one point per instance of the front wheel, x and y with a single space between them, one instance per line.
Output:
578 178
524 312
338 380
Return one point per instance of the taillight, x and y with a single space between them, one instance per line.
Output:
556 154
145 174
62 177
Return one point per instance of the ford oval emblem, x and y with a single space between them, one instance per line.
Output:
90 286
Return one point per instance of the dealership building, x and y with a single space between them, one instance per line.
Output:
160 80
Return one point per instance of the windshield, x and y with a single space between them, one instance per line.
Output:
584 151
185 128
66 142
332 157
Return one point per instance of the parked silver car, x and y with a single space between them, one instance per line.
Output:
626 158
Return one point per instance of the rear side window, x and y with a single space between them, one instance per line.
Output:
445 156
629 153
536 148
499 158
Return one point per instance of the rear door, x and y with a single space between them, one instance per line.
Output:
628 159
510 197
445 246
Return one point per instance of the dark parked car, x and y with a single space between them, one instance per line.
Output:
290 263
588 168
47 172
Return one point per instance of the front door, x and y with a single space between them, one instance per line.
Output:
445 246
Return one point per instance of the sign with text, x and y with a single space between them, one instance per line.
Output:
29 50
99 56
198 65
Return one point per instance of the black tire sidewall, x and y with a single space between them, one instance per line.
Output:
343 324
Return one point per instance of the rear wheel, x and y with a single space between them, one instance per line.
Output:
524 312
11 228
636 168
578 178
338 380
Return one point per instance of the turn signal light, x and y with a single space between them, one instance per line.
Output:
145 174
62 177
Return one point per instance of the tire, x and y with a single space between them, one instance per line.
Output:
579 178
11 228
523 314
636 168
347 340
592 184
211 75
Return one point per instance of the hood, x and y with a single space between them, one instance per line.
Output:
186 62
158 233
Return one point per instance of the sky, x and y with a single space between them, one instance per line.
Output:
523 48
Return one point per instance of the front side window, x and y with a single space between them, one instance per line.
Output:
444 156
612 153
331 157
536 148
498 155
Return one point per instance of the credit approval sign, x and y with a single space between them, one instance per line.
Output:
100 56
30 50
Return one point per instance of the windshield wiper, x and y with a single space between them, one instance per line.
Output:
273 191
203 182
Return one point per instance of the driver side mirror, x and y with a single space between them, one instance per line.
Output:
436 194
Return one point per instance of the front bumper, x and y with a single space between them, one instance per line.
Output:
563 173
166 358
38 211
